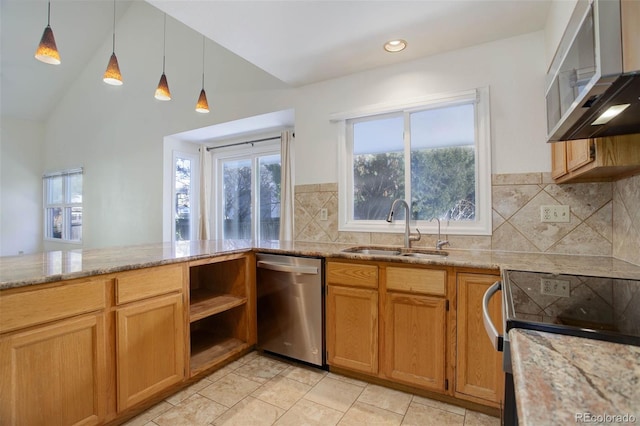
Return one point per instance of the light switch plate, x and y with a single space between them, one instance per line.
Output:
551 214
323 214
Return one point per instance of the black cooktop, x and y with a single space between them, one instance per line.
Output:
593 307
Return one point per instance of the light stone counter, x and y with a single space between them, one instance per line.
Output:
563 380
18 271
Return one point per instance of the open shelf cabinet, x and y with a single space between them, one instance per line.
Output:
221 309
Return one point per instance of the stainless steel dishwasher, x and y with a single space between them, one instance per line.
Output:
290 293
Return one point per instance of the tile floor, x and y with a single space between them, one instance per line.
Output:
262 390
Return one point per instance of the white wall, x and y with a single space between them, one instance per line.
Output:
513 69
21 166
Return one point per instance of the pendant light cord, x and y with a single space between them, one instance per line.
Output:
164 42
114 27
203 62
49 14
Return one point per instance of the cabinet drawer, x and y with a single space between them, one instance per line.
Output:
145 283
428 281
28 308
352 274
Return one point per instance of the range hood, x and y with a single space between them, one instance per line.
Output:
590 91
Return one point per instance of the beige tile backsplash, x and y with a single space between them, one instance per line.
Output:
605 218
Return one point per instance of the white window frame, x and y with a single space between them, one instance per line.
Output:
482 225
243 152
66 229
195 193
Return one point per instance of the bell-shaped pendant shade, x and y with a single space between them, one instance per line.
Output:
47 50
162 92
112 74
202 105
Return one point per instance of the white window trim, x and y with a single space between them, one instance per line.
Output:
483 223
237 153
63 205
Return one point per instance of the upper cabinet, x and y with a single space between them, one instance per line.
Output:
599 159
630 15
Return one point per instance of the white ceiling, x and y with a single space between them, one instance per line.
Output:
299 42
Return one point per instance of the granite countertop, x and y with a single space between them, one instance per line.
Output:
18 271
566 380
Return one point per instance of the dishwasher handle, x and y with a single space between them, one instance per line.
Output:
283 267
490 328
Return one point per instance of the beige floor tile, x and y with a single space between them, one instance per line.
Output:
385 398
423 415
250 411
303 374
230 389
439 404
334 393
347 379
218 374
261 369
364 414
185 393
473 418
281 391
308 413
193 411
153 412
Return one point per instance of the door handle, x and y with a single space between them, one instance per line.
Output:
282 267
490 328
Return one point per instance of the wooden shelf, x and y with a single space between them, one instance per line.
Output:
208 349
205 303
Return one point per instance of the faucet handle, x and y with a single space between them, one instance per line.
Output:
412 238
441 244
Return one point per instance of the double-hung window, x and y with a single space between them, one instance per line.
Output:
63 205
247 202
433 152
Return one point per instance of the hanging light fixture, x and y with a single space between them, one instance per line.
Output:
162 92
47 50
202 105
112 74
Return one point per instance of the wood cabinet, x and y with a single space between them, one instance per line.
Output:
352 316
479 375
415 340
598 159
54 372
222 312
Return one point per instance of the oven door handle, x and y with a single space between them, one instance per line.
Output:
492 332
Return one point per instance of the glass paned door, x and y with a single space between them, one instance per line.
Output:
183 197
269 197
236 209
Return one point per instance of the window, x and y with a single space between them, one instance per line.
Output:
63 205
248 193
185 196
434 152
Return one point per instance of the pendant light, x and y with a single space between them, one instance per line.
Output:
112 74
162 92
202 105
47 50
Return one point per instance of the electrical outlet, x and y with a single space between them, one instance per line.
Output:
558 213
553 287
323 214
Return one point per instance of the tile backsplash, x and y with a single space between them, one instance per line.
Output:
605 218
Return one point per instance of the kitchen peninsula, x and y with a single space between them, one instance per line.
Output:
102 281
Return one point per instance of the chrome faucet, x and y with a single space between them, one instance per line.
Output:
440 243
407 233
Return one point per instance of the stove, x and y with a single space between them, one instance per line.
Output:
591 307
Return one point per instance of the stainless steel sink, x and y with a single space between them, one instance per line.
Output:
378 251
396 251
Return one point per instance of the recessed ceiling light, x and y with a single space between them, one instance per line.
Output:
395 45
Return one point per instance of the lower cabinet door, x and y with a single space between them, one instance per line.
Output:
415 342
352 328
479 375
150 348
54 374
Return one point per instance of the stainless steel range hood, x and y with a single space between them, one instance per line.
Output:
590 78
